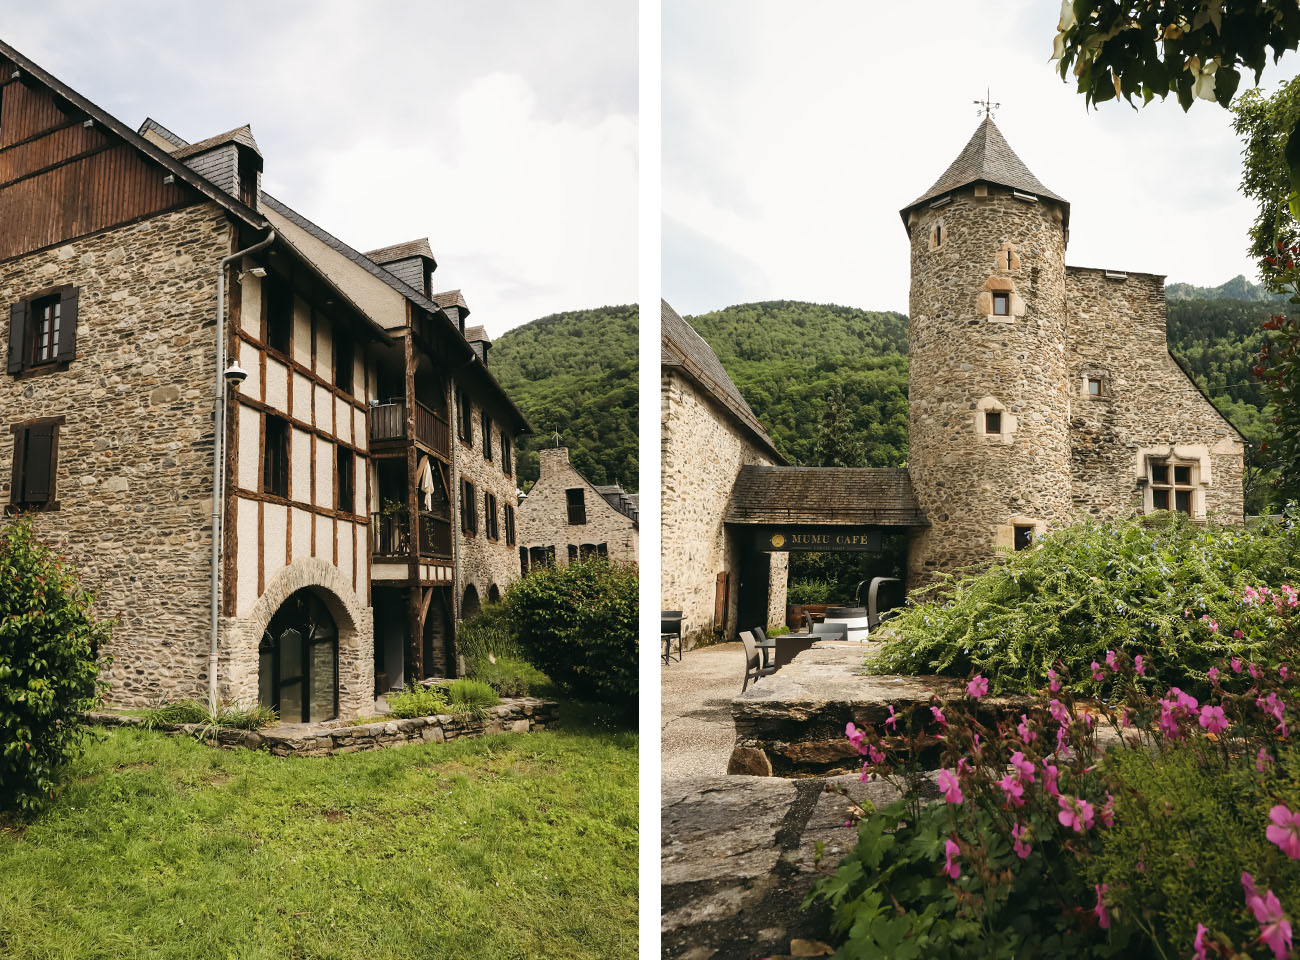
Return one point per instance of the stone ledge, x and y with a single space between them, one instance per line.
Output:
514 715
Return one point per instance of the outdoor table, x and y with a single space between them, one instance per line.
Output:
790 644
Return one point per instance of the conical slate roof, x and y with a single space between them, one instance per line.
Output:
987 158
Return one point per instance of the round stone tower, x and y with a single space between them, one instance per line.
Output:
988 404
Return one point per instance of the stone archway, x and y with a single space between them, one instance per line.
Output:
494 594
242 636
469 604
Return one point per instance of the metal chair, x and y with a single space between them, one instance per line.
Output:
753 665
670 628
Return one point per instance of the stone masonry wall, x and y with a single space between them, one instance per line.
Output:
544 514
965 361
134 474
484 563
1146 403
702 452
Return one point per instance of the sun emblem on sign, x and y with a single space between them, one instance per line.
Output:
778 540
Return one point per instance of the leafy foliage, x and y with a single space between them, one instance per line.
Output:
471 697
1126 585
578 623
197 712
1280 370
510 677
48 670
576 372
1189 48
488 634
1264 124
418 700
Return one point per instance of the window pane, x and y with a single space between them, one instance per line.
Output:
291 702
1182 475
290 654
323 682
1184 500
1160 499
1159 474
1094 387
1001 302
992 422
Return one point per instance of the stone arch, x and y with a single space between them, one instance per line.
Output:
469 604
494 594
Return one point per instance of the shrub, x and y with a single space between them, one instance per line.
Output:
48 673
197 712
578 623
509 677
472 697
489 632
417 701
809 591
1126 585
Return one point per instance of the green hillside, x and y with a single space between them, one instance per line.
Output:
576 372
1238 288
786 357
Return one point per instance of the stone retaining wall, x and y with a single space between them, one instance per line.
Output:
514 715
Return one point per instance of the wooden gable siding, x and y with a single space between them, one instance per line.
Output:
60 180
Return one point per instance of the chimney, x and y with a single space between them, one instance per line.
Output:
479 342
549 458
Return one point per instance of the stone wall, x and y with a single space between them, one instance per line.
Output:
1146 404
134 473
966 361
483 563
702 451
544 514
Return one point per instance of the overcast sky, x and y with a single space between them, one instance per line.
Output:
503 131
794 133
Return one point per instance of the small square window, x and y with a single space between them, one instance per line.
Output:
992 421
1160 474
1001 304
1160 499
1182 475
1024 536
1094 387
576 501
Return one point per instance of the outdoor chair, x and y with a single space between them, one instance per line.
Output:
670 629
766 647
753 665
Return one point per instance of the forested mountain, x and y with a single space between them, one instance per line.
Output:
1238 288
575 372
787 357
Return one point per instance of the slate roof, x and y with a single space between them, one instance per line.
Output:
155 153
402 251
452 298
682 348
242 135
477 333
865 496
988 158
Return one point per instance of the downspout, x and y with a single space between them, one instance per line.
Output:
219 458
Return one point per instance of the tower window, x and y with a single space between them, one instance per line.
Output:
1094 387
1024 536
1001 303
992 421
1008 259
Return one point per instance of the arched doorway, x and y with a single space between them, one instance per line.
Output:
494 595
298 661
469 605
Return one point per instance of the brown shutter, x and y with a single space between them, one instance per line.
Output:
720 604
38 464
17 335
68 325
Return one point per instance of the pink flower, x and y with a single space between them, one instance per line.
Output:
976 747
1251 596
950 852
1236 664
1022 849
1103 915
1111 660
1096 672
1238 634
1214 627
1025 768
1010 785
1053 681
1274 929
963 767
1213 674
1285 831
1049 779
949 785
1282 672
855 736
1254 671
1262 760
892 721
1058 711
1027 735
1272 705
1213 719
1138 665
978 687
1108 810
1076 813
1199 943
939 717
875 755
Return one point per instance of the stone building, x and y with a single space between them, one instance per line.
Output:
136 267
709 434
565 518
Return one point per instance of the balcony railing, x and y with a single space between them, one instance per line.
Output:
392 535
388 422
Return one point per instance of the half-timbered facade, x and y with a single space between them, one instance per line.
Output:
337 564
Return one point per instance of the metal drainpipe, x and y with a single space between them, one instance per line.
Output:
218 466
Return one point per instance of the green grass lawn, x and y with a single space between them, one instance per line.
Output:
511 846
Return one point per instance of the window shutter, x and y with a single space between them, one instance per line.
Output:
38 464
68 324
720 602
17 335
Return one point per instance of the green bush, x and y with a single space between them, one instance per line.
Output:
578 623
417 700
1132 585
487 632
509 677
472 697
195 711
48 673
809 591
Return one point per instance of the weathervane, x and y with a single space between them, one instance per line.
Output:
557 437
987 103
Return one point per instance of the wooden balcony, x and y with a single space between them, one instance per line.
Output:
392 535
388 422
